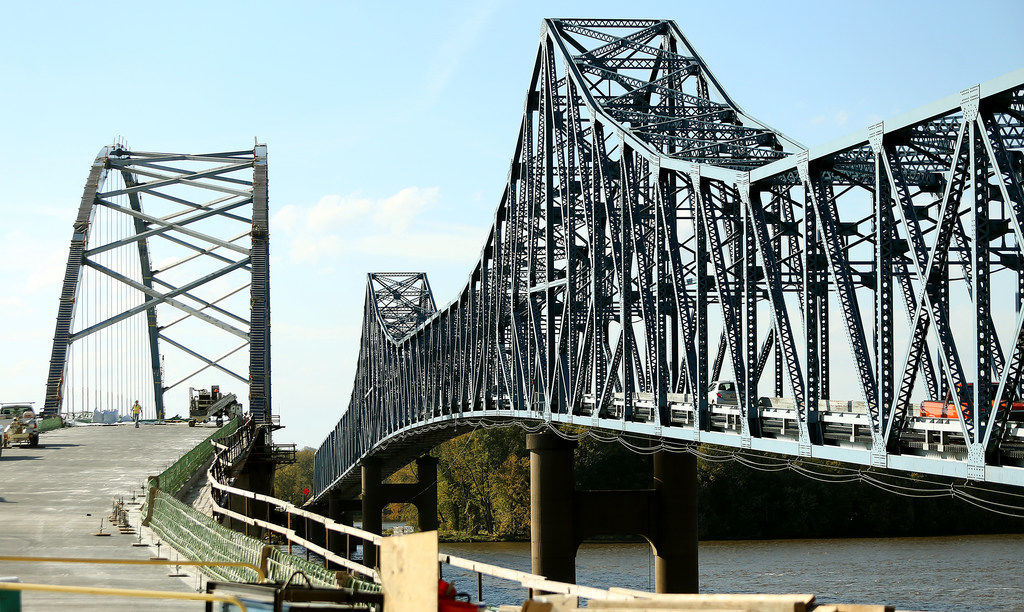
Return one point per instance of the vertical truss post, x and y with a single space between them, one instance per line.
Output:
810 288
776 246
976 415
627 194
259 336
660 374
700 392
751 423
598 277
550 348
884 236
147 280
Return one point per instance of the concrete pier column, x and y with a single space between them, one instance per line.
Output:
351 542
552 489
335 511
373 507
675 523
426 500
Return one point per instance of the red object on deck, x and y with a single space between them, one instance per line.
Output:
938 410
446 601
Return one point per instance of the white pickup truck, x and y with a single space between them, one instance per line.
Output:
18 425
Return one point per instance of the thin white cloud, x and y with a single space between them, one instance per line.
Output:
392 226
400 209
449 54
313 248
332 333
449 243
334 212
36 264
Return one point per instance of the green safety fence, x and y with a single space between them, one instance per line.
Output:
179 472
50 423
197 536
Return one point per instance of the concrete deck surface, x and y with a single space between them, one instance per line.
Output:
52 499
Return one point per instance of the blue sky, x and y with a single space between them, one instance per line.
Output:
390 128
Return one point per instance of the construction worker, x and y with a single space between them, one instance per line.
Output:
136 413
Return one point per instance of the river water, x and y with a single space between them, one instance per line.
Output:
950 573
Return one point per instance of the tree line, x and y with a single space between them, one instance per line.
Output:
484 494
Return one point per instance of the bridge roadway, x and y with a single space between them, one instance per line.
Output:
52 498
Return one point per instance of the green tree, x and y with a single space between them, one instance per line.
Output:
290 480
484 493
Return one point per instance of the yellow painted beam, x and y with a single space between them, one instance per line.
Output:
82 590
257 569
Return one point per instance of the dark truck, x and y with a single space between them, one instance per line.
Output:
205 405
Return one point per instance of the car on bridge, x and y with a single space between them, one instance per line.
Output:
722 392
18 425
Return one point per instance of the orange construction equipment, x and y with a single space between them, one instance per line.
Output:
946 409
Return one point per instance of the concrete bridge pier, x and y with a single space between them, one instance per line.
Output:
675 523
377 494
341 510
552 490
561 517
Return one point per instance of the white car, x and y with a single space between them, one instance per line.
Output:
722 392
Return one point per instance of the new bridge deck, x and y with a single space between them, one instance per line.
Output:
52 498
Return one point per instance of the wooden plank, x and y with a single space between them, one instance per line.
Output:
409 572
748 603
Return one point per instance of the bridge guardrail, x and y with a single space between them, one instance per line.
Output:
179 472
228 449
196 535
223 493
292 513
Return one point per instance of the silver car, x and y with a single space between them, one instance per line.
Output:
722 392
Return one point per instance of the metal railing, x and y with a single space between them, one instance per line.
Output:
300 523
137 593
179 472
260 571
230 555
228 500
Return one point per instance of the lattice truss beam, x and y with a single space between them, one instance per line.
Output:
646 215
169 250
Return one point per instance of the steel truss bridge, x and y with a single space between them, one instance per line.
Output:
169 251
647 216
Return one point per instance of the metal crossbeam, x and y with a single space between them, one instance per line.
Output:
124 282
644 208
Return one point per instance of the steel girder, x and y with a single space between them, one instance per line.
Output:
645 210
199 239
